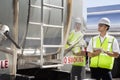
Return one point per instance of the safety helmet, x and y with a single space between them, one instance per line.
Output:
4 29
105 21
77 20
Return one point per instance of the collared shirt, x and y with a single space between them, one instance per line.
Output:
115 45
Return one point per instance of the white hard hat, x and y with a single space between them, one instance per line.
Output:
104 21
4 29
77 20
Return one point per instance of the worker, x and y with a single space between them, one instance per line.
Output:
102 49
77 42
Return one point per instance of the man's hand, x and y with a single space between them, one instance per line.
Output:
96 52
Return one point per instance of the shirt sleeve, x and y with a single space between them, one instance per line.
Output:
116 46
89 47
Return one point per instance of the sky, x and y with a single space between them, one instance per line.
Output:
94 3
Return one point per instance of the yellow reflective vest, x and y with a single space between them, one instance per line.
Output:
103 60
72 38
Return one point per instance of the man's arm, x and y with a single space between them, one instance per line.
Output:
116 50
112 54
94 53
82 53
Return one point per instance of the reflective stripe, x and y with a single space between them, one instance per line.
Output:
110 43
94 45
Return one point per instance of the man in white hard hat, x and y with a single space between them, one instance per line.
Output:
76 37
102 50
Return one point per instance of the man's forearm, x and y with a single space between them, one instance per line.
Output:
93 54
113 54
82 53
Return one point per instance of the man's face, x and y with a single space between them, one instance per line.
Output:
77 26
102 27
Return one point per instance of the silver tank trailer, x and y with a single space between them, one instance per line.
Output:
40 47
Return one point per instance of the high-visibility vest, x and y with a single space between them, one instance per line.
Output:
103 60
73 37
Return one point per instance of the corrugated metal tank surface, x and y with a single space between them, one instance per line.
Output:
52 16
52 36
6 17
